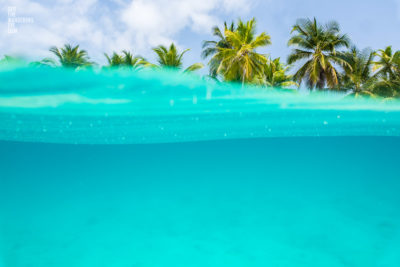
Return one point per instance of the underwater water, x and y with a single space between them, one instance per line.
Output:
155 169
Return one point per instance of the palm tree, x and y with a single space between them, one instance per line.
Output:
115 60
126 60
388 88
388 65
11 61
71 57
317 45
133 61
172 58
210 48
240 62
275 74
46 62
357 74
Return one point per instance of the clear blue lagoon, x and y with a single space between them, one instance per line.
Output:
155 169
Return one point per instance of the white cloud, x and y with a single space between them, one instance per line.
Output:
103 27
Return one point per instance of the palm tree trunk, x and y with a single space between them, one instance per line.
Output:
244 75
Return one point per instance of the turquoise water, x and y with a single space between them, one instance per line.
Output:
115 169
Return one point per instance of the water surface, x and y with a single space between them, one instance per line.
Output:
155 169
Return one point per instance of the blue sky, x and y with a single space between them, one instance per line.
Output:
137 25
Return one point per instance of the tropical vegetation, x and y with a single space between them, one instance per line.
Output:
318 46
322 58
172 58
125 60
68 57
239 61
275 74
210 48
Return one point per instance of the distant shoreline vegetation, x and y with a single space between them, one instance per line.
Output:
322 58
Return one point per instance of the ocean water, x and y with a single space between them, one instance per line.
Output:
157 169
